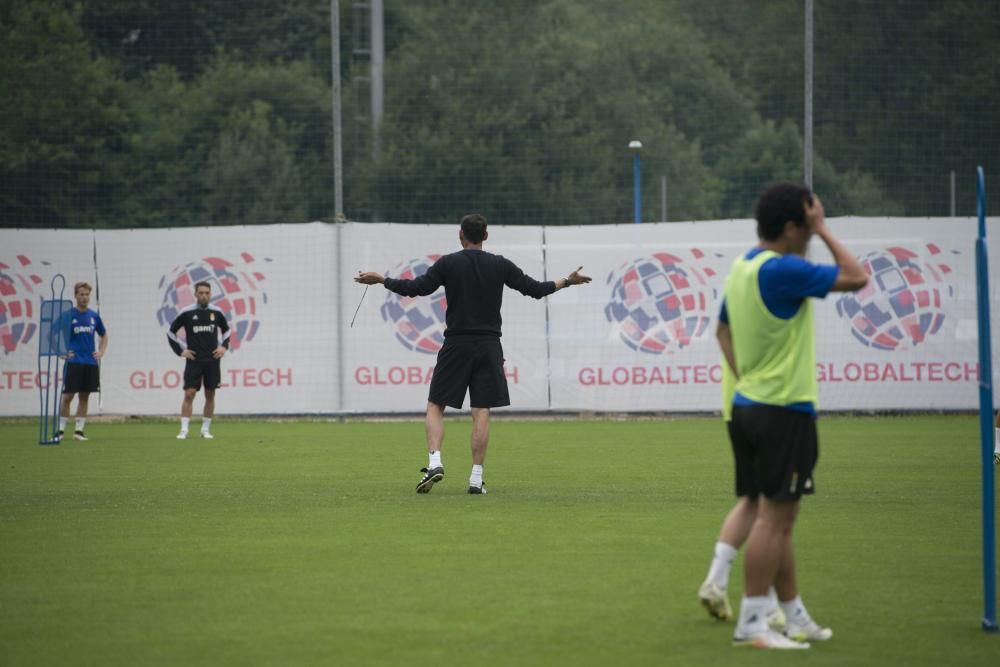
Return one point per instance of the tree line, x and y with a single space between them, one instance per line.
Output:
135 113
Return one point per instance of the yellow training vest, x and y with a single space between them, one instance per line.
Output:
776 358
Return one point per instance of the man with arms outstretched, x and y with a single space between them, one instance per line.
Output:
471 358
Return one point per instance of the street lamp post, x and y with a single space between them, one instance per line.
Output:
636 147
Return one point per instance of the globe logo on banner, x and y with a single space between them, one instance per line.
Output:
418 322
904 301
236 292
17 296
662 302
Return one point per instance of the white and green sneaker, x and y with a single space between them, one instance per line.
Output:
715 601
811 631
768 639
776 619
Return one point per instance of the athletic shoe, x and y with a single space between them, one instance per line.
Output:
810 631
207 435
182 435
430 478
715 601
78 435
996 457
776 619
59 437
768 639
478 490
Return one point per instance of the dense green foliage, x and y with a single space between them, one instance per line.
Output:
144 113
304 544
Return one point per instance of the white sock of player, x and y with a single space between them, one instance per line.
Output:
753 616
62 423
772 599
476 478
206 423
80 423
795 611
722 562
434 460
996 441
185 421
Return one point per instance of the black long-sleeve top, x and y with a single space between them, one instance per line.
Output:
202 327
473 283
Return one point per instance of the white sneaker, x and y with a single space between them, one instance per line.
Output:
715 601
776 619
768 639
996 457
207 435
182 435
810 631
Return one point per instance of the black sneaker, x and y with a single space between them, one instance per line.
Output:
431 477
59 436
478 490
78 435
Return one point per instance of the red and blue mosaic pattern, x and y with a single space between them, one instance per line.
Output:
236 291
19 287
904 302
418 322
660 303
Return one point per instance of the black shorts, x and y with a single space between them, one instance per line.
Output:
474 363
197 371
81 378
775 451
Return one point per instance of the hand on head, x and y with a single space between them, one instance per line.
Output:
815 215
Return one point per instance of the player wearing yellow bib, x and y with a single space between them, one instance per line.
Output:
769 403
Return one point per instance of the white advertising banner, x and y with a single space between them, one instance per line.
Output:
271 281
390 352
29 261
641 337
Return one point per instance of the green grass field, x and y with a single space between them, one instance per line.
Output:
303 543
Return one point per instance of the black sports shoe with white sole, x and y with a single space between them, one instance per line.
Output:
478 490
431 477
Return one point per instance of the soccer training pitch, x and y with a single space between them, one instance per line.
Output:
303 543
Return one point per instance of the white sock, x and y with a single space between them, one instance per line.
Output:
184 423
996 441
476 478
62 423
434 460
772 599
753 616
80 423
206 423
722 562
795 611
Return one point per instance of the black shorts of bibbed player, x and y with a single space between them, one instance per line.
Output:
81 378
775 450
202 371
470 363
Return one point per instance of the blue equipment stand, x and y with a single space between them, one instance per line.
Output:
52 336
989 623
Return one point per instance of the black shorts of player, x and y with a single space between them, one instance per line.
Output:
197 371
775 450
474 363
81 378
